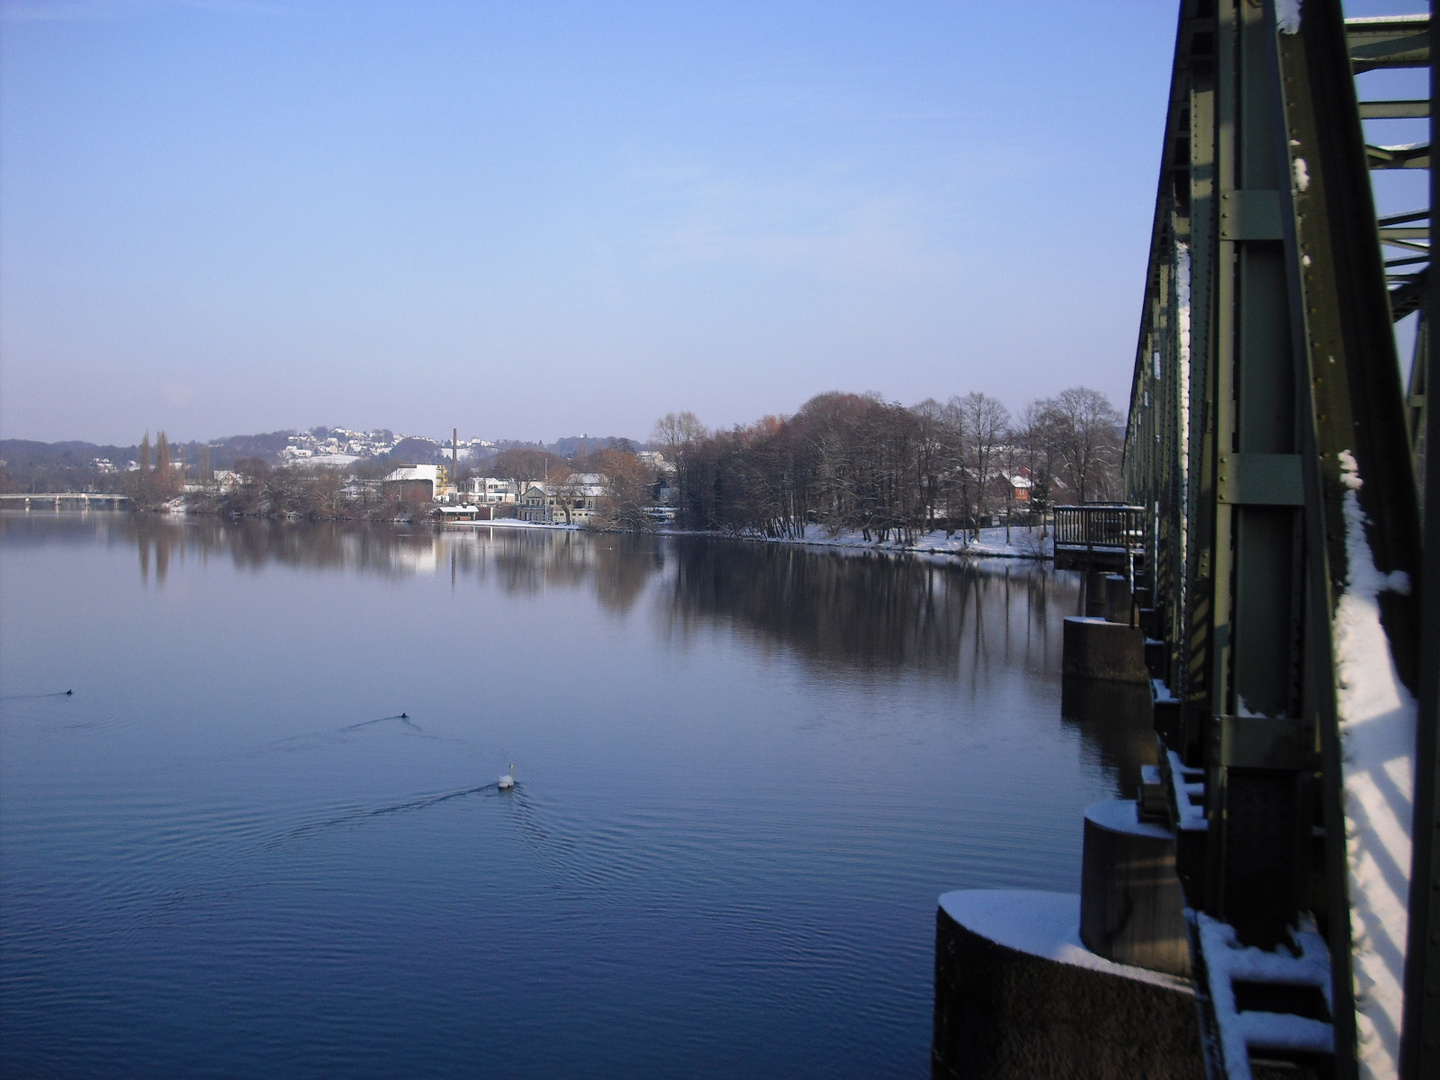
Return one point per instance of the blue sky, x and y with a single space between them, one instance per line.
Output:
536 219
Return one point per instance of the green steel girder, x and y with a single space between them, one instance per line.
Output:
1399 157
1389 41
1265 350
1394 110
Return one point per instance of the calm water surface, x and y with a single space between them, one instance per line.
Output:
745 773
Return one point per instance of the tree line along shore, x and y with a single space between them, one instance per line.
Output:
844 462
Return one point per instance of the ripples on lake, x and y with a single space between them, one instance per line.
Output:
745 773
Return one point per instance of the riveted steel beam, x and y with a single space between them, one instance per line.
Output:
1265 368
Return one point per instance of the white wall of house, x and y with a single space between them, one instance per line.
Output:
490 490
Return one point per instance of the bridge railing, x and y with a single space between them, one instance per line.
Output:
1101 526
1098 537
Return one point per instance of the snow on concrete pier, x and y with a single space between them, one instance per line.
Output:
1017 994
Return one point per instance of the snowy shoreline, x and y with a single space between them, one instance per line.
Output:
1025 542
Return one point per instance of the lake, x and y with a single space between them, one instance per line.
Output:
263 836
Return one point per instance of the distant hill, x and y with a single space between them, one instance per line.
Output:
585 445
418 450
225 452
22 453
60 466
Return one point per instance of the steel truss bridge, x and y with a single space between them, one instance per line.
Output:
1276 443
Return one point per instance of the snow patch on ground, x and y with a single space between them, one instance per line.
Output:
1377 737
514 523
1023 543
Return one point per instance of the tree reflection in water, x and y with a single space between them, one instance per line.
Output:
842 607
962 620
869 610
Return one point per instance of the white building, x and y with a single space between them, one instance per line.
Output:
415 483
491 490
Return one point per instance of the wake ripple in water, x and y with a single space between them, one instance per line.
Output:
404 718
360 815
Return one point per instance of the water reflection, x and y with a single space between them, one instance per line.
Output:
833 607
869 609
961 620
1117 720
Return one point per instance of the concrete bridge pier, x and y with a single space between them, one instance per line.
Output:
1095 593
1018 996
1132 909
1096 648
1118 598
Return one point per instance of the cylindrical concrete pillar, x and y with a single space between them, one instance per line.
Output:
1095 593
1017 996
1117 598
1095 648
1131 904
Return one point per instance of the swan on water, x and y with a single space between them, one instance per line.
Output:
508 780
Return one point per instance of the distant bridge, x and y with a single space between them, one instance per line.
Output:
63 500
1293 601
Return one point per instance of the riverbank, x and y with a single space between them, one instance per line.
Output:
1021 543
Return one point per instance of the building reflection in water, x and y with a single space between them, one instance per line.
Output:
969 621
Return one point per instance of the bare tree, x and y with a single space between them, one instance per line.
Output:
929 456
955 483
525 465
1035 443
676 431
988 423
629 482
565 489
1084 429
854 461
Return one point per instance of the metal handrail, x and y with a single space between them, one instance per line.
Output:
1100 526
